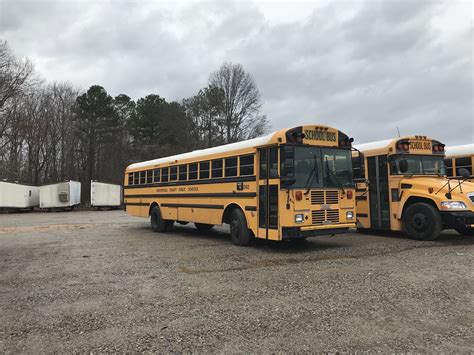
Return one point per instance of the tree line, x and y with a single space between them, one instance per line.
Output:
51 132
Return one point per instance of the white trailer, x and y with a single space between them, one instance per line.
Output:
16 196
62 195
105 195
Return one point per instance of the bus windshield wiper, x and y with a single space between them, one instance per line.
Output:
333 174
314 173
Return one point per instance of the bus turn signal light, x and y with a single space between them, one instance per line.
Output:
298 195
349 194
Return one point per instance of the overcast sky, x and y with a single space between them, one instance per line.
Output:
364 67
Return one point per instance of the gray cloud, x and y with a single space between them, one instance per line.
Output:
364 67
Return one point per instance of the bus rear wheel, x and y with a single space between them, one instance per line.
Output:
464 230
158 224
203 226
239 231
422 221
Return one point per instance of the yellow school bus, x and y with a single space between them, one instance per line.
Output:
402 186
291 184
460 157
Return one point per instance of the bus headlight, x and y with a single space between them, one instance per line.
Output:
349 215
453 205
299 218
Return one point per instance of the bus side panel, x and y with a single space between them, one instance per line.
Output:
200 215
170 213
252 220
134 210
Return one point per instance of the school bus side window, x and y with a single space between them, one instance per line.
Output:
273 162
193 171
136 178
463 163
149 176
130 178
246 165
358 167
164 174
156 175
448 163
217 168
183 172
204 170
142 177
231 167
173 173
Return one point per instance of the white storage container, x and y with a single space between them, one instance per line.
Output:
18 196
105 195
61 195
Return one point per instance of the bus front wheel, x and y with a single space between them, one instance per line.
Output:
238 228
158 224
422 221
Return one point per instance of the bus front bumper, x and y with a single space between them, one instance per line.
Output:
315 231
452 219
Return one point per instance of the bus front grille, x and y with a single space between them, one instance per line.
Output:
321 197
317 197
325 217
332 197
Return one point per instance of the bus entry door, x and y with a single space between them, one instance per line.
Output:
379 201
268 183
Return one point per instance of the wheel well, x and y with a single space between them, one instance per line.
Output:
228 211
415 199
151 207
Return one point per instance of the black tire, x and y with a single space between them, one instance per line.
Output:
203 226
238 228
422 221
158 224
464 230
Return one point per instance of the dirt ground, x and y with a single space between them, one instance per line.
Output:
103 281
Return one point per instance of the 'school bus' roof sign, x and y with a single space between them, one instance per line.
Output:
405 145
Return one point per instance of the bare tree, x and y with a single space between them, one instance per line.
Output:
204 111
241 117
14 74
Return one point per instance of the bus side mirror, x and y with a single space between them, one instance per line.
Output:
287 182
403 165
464 173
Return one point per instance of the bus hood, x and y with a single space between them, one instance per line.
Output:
438 187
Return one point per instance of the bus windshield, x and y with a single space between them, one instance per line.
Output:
417 165
322 167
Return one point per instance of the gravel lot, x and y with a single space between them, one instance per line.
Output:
103 281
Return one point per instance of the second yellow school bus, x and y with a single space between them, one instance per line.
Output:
291 184
403 187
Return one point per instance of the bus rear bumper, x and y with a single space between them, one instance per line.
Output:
315 231
454 219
